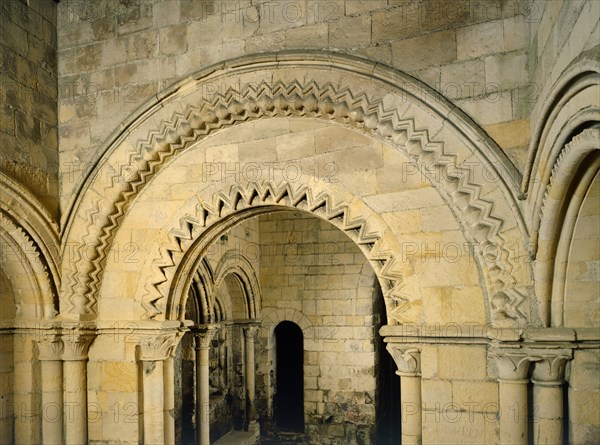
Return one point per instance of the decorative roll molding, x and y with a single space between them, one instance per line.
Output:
377 112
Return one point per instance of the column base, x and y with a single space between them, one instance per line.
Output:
253 427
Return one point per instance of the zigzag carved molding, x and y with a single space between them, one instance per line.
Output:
356 222
457 185
20 247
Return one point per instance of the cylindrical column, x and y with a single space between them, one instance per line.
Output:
153 401
76 347
408 361
548 375
203 338
50 351
154 349
169 384
513 367
250 376
410 387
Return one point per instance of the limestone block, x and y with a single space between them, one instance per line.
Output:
90 59
443 14
119 377
465 79
173 39
510 134
264 150
476 396
224 51
481 39
435 392
508 70
408 54
462 362
516 34
14 37
264 42
356 7
584 369
165 13
350 32
586 407
404 200
313 395
394 24
295 146
490 109
380 53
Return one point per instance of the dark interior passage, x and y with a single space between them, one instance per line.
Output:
388 383
289 396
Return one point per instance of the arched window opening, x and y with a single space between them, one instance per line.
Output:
289 369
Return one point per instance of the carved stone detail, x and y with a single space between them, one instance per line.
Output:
550 369
295 99
407 359
203 335
157 346
514 364
76 345
358 223
50 347
250 331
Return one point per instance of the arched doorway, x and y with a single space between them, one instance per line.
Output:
356 189
289 372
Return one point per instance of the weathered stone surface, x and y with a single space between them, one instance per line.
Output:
384 181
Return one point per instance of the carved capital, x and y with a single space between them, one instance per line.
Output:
250 331
550 369
204 335
408 359
514 364
157 347
50 347
76 345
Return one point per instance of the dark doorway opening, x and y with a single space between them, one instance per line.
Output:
388 384
289 388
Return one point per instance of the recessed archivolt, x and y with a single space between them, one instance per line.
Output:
29 253
570 104
379 113
27 270
233 262
353 217
575 168
202 290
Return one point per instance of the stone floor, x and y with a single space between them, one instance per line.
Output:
238 438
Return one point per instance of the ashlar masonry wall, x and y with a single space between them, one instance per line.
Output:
28 97
114 57
315 276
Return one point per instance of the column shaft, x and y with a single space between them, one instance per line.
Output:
408 361
202 395
169 384
203 339
250 376
75 401
548 415
50 349
548 378
154 355
52 402
410 402
153 401
513 412
513 370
